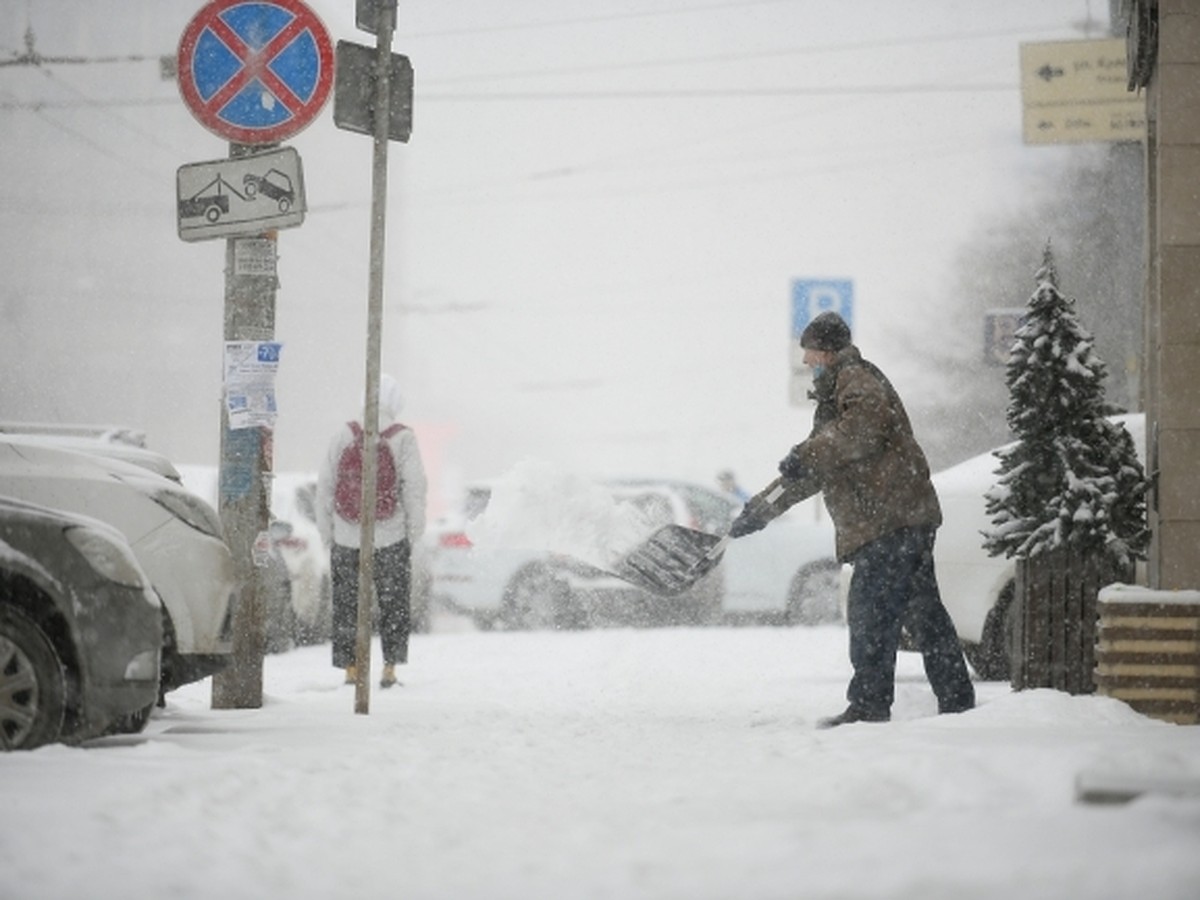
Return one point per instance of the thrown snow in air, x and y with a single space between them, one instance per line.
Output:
536 506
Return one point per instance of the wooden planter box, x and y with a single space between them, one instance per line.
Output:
1148 651
1054 638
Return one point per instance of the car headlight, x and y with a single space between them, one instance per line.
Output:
112 560
191 509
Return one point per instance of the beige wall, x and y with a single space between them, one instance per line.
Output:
1173 311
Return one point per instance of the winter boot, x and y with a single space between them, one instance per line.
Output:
853 714
388 679
351 674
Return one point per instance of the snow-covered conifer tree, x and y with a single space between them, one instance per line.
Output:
1073 478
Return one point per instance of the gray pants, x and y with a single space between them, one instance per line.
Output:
393 588
894 585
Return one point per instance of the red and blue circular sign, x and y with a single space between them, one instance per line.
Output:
255 71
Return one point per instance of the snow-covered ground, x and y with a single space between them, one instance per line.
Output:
608 764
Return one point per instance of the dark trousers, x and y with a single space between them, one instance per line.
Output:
894 585
393 580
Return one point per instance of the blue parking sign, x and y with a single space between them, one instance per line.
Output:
811 297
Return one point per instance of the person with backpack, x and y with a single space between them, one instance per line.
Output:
863 456
399 524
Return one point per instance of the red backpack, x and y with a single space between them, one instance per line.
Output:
347 493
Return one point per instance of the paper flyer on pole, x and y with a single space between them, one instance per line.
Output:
250 370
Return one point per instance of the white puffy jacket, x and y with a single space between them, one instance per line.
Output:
409 519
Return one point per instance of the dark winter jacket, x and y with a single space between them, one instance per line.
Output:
863 456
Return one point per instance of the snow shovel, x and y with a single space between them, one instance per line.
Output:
675 557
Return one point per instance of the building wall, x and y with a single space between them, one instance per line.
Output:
1173 312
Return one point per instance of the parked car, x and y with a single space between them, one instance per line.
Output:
780 576
174 535
292 565
979 589
80 629
117 434
293 499
108 449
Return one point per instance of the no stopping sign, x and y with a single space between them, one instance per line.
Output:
255 71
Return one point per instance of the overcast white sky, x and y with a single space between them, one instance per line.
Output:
592 233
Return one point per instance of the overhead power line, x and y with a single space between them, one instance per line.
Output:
748 55
591 20
31 57
705 93
644 94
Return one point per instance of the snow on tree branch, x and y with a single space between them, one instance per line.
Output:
1072 477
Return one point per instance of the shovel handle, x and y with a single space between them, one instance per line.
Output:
719 547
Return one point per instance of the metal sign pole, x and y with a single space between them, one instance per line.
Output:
383 43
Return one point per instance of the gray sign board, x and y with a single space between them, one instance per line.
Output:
1077 91
366 13
354 91
240 196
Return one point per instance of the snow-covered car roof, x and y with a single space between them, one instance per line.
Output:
150 460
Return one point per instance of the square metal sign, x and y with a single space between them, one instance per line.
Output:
811 297
1077 91
354 92
366 14
240 196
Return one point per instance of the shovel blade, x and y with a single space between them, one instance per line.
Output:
670 561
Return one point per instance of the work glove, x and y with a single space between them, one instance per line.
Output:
747 522
791 467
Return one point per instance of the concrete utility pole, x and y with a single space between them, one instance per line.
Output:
288 41
245 492
366 563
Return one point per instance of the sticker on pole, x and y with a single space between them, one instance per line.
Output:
255 71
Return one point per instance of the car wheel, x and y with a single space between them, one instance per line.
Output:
991 657
813 594
284 204
32 686
251 189
212 214
535 599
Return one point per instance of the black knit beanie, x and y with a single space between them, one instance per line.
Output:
828 331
